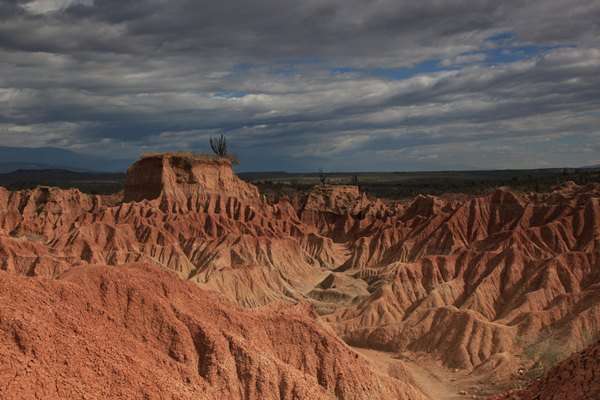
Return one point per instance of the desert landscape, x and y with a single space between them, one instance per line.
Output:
193 284
299 200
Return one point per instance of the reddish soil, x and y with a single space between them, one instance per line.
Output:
484 292
136 332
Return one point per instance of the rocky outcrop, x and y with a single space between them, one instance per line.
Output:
178 179
466 280
340 212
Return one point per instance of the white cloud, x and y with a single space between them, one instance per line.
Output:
49 6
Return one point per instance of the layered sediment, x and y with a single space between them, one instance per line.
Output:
484 284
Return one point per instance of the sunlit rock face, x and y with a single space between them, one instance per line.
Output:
473 282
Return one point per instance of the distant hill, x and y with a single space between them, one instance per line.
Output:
251 175
6 167
13 158
89 182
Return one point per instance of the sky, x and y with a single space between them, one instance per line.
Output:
339 85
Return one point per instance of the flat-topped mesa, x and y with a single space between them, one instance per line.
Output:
177 177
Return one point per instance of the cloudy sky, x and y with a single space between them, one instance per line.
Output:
302 85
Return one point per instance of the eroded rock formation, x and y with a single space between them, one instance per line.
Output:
192 216
486 284
470 280
135 332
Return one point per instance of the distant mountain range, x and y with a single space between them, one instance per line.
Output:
7 167
89 182
14 158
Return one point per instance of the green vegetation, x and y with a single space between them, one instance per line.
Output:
400 185
545 354
87 182
219 145
390 185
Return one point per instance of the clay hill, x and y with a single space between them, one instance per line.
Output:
136 332
443 297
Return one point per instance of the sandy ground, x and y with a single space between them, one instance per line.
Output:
435 381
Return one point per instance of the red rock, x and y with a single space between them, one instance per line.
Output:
474 282
136 332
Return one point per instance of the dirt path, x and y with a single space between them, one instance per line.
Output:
437 383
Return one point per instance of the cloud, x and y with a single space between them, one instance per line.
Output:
48 6
338 83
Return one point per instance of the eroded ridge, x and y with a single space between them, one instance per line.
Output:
491 285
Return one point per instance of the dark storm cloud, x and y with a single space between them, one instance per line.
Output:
301 77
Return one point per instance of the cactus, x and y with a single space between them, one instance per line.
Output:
322 177
219 145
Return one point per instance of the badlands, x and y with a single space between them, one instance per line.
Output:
192 285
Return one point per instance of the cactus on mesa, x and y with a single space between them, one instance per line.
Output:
219 145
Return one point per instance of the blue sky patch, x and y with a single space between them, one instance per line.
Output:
230 94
